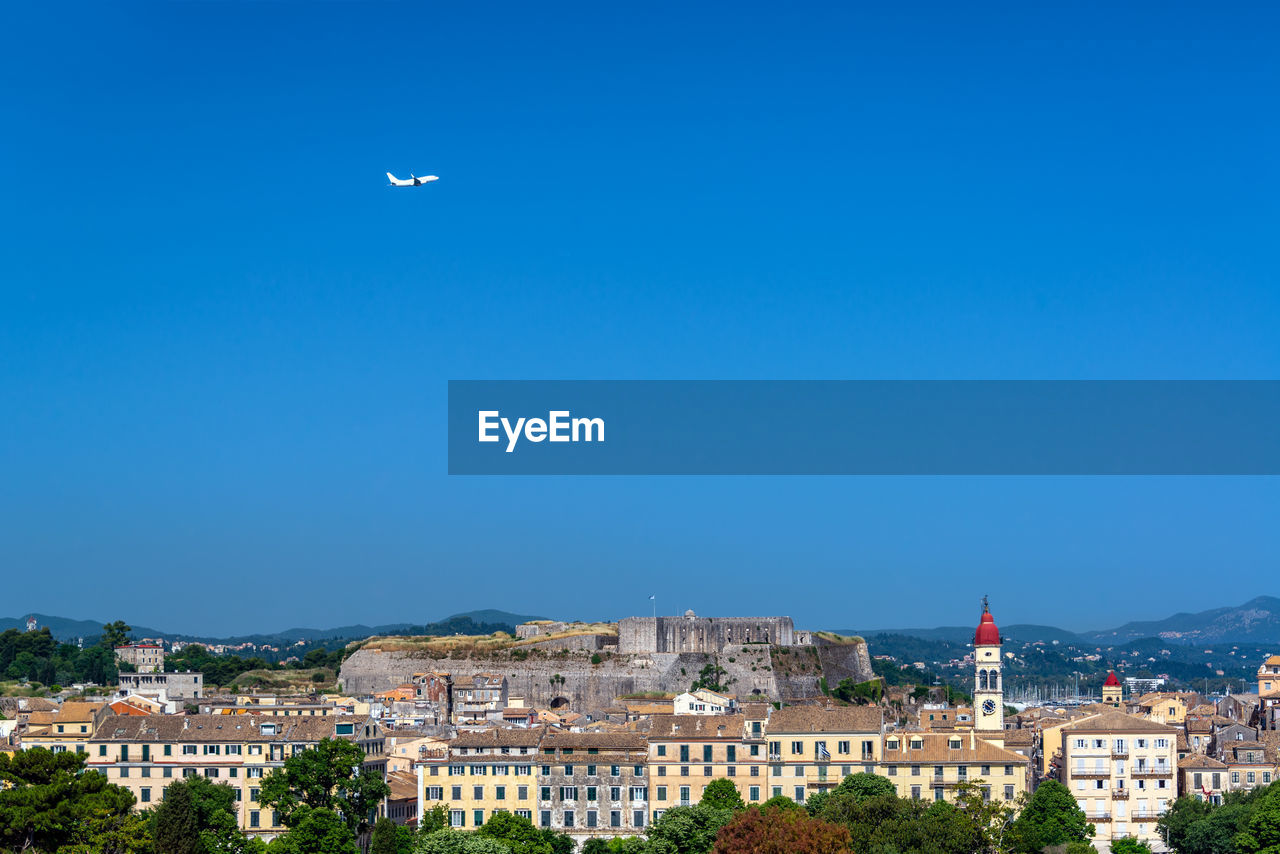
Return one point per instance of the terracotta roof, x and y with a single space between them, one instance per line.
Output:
936 749
681 727
600 740
1118 722
794 719
755 711
987 633
505 737
1019 737
403 784
1198 760
1112 680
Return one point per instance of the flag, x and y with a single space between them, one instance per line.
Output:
650 597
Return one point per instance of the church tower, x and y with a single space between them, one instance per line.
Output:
988 687
1111 690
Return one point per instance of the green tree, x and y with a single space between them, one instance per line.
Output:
518 833
117 834
325 779
1129 845
688 830
722 794
198 816
50 800
385 839
448 841
780 831
1051 817
1261 830
115 634
316 830
433 819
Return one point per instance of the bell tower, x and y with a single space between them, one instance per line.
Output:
988 683
1112 690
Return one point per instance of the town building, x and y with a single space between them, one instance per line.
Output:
686 752
145 753
480 698
704 702
1269 693
931 765
68 728
593 784
164 686
1122 771
813 748
480 773
143 657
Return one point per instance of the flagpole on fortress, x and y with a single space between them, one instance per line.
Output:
655 606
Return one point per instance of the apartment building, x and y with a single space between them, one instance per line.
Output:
1122 770
480 698
481 773
143 657
931 765
593 783
813 748
68 728
686 752
146 753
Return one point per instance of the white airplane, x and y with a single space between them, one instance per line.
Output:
412 181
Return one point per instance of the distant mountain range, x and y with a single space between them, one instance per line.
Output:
484 621
1255 622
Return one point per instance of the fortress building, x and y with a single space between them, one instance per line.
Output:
691 633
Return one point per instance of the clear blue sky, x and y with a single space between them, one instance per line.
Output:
224 342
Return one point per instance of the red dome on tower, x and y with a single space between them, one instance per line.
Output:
1112 681
987 633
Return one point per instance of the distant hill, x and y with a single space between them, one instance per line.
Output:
1023 632
472 622
1256 621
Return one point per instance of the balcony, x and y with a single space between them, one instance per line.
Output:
1120 794
1089 774
1119 754
1098 817
1161 771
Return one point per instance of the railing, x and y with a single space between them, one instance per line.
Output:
1120 794
1098 816
1119 754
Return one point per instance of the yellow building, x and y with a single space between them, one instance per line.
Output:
929 766
481 773
813 748
686 752
1163 708
144 753
68 729
1122 770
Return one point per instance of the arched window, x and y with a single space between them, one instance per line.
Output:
982 680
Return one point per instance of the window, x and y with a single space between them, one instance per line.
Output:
842 747
568 793
615 771
124 772
591 770
662 751
754 793
615 819
799 798
591 793
639 793
544 819
522 793
1008 793
477 793
1008 770
915 770
684 770
706 770
146 795
706 753
637 818
568 770
637 771
684 795
797 748
915 793
102 749
189 750
731 753
684 753
478 817
254 820
525 814
591 818
455 793
568 818
457 818
546 793
615 792
662 793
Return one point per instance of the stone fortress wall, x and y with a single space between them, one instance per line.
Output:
691 633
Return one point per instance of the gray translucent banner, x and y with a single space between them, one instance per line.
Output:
864 427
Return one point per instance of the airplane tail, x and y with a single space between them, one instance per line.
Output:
392 178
